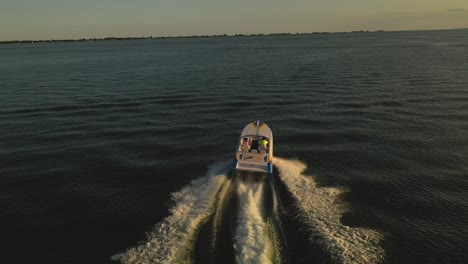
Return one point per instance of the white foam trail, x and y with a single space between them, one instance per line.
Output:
321 212
172 239
252 242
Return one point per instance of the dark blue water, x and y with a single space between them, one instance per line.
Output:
95 136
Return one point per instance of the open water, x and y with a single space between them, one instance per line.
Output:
118 151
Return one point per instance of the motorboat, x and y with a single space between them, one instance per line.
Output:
254 150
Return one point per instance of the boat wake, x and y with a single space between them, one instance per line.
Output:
236 219
172 239
321 211
253 244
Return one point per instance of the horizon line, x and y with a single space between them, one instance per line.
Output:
109 38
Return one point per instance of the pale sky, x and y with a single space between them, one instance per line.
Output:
59 19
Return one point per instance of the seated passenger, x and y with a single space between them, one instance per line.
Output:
262 145
245 145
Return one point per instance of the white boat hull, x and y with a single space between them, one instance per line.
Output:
252 153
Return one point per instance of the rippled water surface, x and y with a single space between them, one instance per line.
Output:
96 136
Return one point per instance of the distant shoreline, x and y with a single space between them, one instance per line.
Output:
171 37
194 36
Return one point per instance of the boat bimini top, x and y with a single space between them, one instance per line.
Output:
254 150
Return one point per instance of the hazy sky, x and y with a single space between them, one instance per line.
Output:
47 19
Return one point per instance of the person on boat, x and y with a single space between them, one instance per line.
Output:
262 144
245 144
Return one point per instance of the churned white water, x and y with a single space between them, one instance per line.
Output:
321 212
172 239
252 241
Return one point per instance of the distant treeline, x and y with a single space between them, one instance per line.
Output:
163 37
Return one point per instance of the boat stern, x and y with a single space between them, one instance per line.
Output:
253 166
